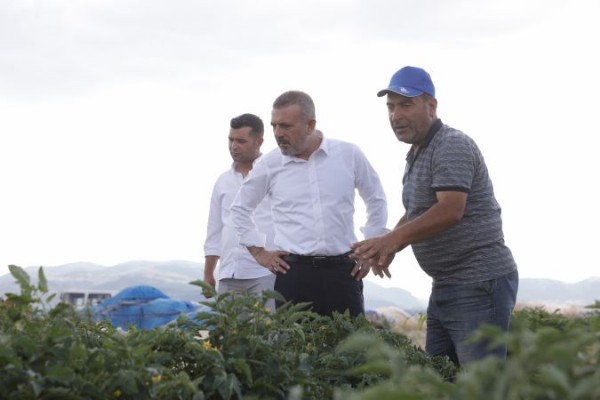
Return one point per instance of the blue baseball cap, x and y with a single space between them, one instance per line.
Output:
410 82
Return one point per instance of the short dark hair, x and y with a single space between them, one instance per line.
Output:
250 120
307 106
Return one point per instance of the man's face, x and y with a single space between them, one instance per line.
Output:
291 130
243 147
411 117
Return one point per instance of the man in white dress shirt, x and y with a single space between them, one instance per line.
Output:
238 271
311 183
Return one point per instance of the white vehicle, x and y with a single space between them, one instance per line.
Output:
81 298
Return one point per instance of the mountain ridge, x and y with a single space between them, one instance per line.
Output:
173 278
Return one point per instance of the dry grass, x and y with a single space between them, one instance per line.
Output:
413 328
396 320
566 309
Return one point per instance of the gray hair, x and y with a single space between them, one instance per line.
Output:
307 106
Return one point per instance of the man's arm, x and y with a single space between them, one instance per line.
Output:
371 191
379 251
448 210
250 194
214 231
210 264
401 221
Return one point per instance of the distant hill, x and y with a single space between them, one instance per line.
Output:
173 278
557 293
378 297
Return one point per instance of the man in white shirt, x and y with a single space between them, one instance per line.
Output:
238 271
311 182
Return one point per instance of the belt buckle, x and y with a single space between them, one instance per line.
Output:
316 261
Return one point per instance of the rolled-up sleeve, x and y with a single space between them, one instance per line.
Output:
251 193
371 191
214 229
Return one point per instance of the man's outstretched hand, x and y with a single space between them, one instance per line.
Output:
377 252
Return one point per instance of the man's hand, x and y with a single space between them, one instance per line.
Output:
271 260
210 264
377 253
360 270
210 279
381 270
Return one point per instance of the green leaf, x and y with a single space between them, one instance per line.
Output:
59 373
553 377
42 282
20 275
375 367
228 386
242 366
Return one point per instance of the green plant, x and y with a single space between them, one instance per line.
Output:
238 349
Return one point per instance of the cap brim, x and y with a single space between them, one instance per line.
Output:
401 91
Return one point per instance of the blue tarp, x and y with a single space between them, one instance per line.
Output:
146 307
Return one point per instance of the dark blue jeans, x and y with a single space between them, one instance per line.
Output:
455 311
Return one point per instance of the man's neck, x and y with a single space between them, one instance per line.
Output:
244 167
315 140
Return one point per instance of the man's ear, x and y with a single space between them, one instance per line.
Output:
432 106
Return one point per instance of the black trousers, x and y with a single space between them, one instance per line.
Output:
328 288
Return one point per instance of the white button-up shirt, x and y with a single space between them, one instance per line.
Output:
221 237
312 200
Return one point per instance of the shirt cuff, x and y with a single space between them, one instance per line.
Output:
370 232
255 239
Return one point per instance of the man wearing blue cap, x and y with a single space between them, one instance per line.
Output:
452 221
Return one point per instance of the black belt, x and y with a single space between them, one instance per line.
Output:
320 261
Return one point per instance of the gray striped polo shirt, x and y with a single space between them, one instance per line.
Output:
473 250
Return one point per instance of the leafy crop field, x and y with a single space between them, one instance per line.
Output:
238 350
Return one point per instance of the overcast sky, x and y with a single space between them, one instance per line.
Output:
114 115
